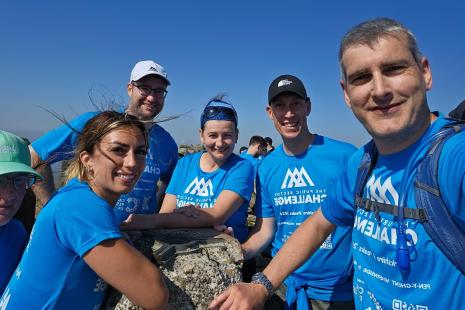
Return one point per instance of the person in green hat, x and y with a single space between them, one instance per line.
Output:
16 176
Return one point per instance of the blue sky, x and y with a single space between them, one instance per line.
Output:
54 53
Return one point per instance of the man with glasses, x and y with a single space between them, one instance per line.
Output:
16 176
147 91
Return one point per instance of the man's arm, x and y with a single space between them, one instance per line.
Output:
260 237
45 188
161 190
297 249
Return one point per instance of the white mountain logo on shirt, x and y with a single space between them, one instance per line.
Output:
200 188
379 191
297 178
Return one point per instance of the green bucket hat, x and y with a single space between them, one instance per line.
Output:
14 155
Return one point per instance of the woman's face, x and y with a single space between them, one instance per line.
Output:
219 139
116 163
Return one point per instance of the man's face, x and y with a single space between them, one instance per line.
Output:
146 106
289 114
11 195
386 89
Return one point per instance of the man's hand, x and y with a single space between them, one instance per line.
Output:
188 210
139 221
241 296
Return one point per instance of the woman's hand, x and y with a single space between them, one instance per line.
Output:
224 229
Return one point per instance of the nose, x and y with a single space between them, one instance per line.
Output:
381 91
8 192
131 160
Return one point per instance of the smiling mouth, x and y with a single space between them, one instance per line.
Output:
127 177
387 108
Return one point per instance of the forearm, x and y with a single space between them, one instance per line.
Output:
298 248
45 188
204 218
260 237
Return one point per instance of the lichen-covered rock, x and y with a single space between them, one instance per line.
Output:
197 264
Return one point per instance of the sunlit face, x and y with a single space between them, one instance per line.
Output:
289 115
10 199
386 89
146 107
117 163
219 139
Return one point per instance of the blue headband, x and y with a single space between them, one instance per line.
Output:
218 110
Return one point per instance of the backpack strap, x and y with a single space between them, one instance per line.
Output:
440 226
365 169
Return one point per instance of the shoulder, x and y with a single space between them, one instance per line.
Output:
341 146
237 162
76 195
16 230
160 134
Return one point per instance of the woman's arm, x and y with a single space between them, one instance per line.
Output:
226 204
129 272
169 204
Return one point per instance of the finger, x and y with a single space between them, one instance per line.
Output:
218 301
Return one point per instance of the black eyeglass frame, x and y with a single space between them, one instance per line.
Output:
19 181
146 90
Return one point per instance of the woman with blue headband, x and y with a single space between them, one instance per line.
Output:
217 182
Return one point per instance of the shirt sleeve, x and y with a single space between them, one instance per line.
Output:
58 144
339 207
85 222
240 179
174 183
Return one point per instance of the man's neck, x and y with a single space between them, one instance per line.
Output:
299 144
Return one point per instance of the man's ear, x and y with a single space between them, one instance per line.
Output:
130 89
346 96
269 111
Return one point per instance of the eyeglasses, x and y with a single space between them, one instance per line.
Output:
146 90
18 182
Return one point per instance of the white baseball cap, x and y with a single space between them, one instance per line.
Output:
146 67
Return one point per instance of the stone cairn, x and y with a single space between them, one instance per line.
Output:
197 265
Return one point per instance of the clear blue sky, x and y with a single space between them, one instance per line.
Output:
54 53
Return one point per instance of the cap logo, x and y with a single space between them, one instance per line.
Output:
153 69
8 149
284 83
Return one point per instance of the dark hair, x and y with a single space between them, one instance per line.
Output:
257 140
268 140
369 33
93 132
243 148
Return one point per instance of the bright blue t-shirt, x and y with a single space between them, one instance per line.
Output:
432 282
52 273
254 161
290 189
13 239
58 144
193 186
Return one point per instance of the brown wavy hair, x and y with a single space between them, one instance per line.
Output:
93 132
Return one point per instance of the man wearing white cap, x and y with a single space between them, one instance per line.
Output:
16 176
147 91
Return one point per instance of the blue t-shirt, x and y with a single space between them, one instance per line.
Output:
13 238
52 273
432 282
290 189
58 144
254 161
191 185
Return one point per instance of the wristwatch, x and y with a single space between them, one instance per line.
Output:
260 278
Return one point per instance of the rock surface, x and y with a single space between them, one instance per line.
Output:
197 264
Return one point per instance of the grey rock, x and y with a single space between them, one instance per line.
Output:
197 265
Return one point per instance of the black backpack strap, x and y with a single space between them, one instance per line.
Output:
377 207
365 169
440 226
